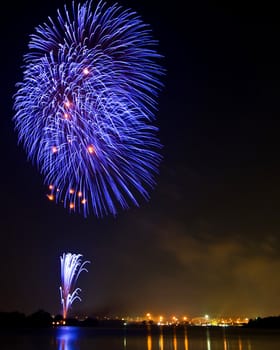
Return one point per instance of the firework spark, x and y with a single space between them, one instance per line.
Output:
71 267
85 108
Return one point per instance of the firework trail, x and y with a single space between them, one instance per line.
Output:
71 267
85 108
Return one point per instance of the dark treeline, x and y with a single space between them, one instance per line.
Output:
42 318
264 322
17 319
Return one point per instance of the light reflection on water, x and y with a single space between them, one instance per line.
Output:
208 340
67 337
188 338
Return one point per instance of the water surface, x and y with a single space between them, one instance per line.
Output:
177 338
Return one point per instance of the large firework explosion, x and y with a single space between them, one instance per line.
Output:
85 108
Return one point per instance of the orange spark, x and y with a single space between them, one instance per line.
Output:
91 149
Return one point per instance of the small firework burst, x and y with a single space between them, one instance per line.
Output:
71 267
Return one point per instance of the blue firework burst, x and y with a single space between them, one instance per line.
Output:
85 108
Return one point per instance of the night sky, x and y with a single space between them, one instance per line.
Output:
208 240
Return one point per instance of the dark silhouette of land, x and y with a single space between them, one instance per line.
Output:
264 322
44 319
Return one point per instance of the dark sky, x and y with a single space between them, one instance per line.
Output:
208 240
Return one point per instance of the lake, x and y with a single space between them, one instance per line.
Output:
175 338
